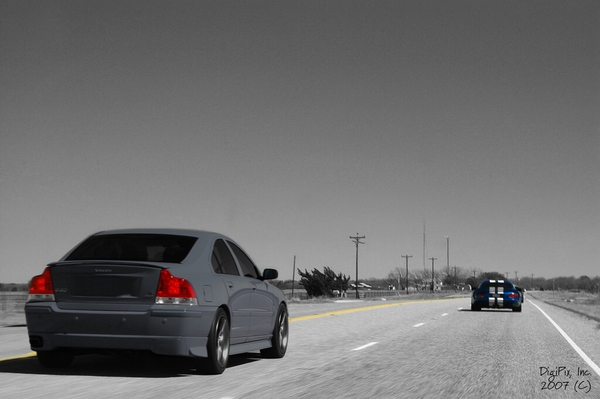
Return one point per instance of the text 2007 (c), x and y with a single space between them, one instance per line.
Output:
561 379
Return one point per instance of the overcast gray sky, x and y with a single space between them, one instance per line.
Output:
292 125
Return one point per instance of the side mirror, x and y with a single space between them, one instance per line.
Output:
270 274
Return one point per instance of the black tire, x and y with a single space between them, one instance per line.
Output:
218 344
281 334
475 308
54 359
517 309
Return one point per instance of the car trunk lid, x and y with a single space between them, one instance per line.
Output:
105 285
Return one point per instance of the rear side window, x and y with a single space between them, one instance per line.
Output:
222 260
135 247
246 264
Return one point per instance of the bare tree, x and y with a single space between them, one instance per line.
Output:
396 278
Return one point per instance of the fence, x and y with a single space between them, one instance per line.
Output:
372 293
350 294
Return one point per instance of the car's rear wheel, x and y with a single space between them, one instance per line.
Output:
54 359
517 309
281 333
475 308
218 344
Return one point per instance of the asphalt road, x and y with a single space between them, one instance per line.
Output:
422 349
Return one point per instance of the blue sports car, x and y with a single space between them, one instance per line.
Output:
499 294
186 293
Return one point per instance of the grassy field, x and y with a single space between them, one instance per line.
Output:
579 302
12 308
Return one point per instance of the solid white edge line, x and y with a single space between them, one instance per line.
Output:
445 314
581 353
418 325
364 346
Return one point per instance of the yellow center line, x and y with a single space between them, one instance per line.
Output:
25 356
373 307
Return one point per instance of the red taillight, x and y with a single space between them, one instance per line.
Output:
513 295
174 290
479 295
41 288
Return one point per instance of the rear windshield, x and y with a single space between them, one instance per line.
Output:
135 247
506 286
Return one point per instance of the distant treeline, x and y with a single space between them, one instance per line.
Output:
581 283
14 287
396 280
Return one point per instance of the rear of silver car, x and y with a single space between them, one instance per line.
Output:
116 292
113 306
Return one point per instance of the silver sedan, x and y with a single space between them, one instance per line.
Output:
186 293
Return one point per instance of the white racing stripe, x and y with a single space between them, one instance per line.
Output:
581 353
364 346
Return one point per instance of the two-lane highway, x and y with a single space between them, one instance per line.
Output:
420 349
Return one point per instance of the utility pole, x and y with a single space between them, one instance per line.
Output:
293 275
432 273
455 279
357 241
406 257
424 244
517 276
448 254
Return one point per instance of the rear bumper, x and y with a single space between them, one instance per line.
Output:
494 303
171 346
162 329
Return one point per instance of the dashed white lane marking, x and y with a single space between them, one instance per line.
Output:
445 314
581 353
364 346
418 325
